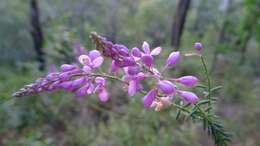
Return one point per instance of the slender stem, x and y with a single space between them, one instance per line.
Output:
208 80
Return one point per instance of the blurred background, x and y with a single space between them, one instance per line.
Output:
36 35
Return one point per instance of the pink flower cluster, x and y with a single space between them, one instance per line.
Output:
132 67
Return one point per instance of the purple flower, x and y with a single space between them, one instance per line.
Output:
166 87
93 59
147 55
198 46
100 89
188 81
173 58
189 97
134 82
149 98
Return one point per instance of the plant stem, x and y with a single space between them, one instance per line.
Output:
208 81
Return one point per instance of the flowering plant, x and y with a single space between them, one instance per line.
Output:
137 66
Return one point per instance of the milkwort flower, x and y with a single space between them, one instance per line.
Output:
133 78
137 66
147 55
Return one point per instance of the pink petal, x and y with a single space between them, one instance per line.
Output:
86 69
132 88
100 80
94 54
103 95
113 67
173 58
84 59
146 47
98 62
156 51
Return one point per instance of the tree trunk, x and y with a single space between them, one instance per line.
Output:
36 33
178 22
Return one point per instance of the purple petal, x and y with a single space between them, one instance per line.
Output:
188 81
82 91
173 58
66 85
156 51
78 82
98 62
86 69
132 88
133 70
149 98
100 80
136 52
94 54
146 47
140 76
189 97
84 59
147 60
90 89
166 87
113 67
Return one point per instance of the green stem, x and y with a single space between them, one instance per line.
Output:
208 80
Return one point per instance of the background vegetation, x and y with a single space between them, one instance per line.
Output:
229 30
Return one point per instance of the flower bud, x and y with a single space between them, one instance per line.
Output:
188 96
173 58
67 67
198 46
78 82
166 87
188 81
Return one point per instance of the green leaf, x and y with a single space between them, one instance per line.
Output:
216 88
204 101
178 114
201 86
